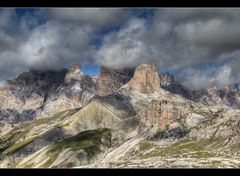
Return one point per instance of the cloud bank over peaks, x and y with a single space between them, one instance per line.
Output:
49 38
178 39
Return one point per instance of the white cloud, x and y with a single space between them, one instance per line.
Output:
197 79
223 75
124 48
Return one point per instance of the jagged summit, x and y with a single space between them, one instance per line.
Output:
109 80
73 73
145 79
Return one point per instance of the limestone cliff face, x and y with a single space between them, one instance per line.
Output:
174 117
109 80
163 113
160 114
146 79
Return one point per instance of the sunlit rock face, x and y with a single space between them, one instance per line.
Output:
145 79
158 115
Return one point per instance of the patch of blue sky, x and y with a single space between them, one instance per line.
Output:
92 70
34 13
23 11
144 13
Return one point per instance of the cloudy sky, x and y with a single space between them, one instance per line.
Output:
200 47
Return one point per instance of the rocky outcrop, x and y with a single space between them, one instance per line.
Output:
74 74
227 96
145 79
230 96
158 115
209 96
162 114
169 84
109 80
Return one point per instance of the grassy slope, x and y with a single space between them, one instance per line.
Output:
90 141
187 148
205 153
19 136
15 139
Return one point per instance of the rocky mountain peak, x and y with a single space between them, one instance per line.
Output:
146 79
110 80
73 73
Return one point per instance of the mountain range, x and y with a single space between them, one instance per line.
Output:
134 117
